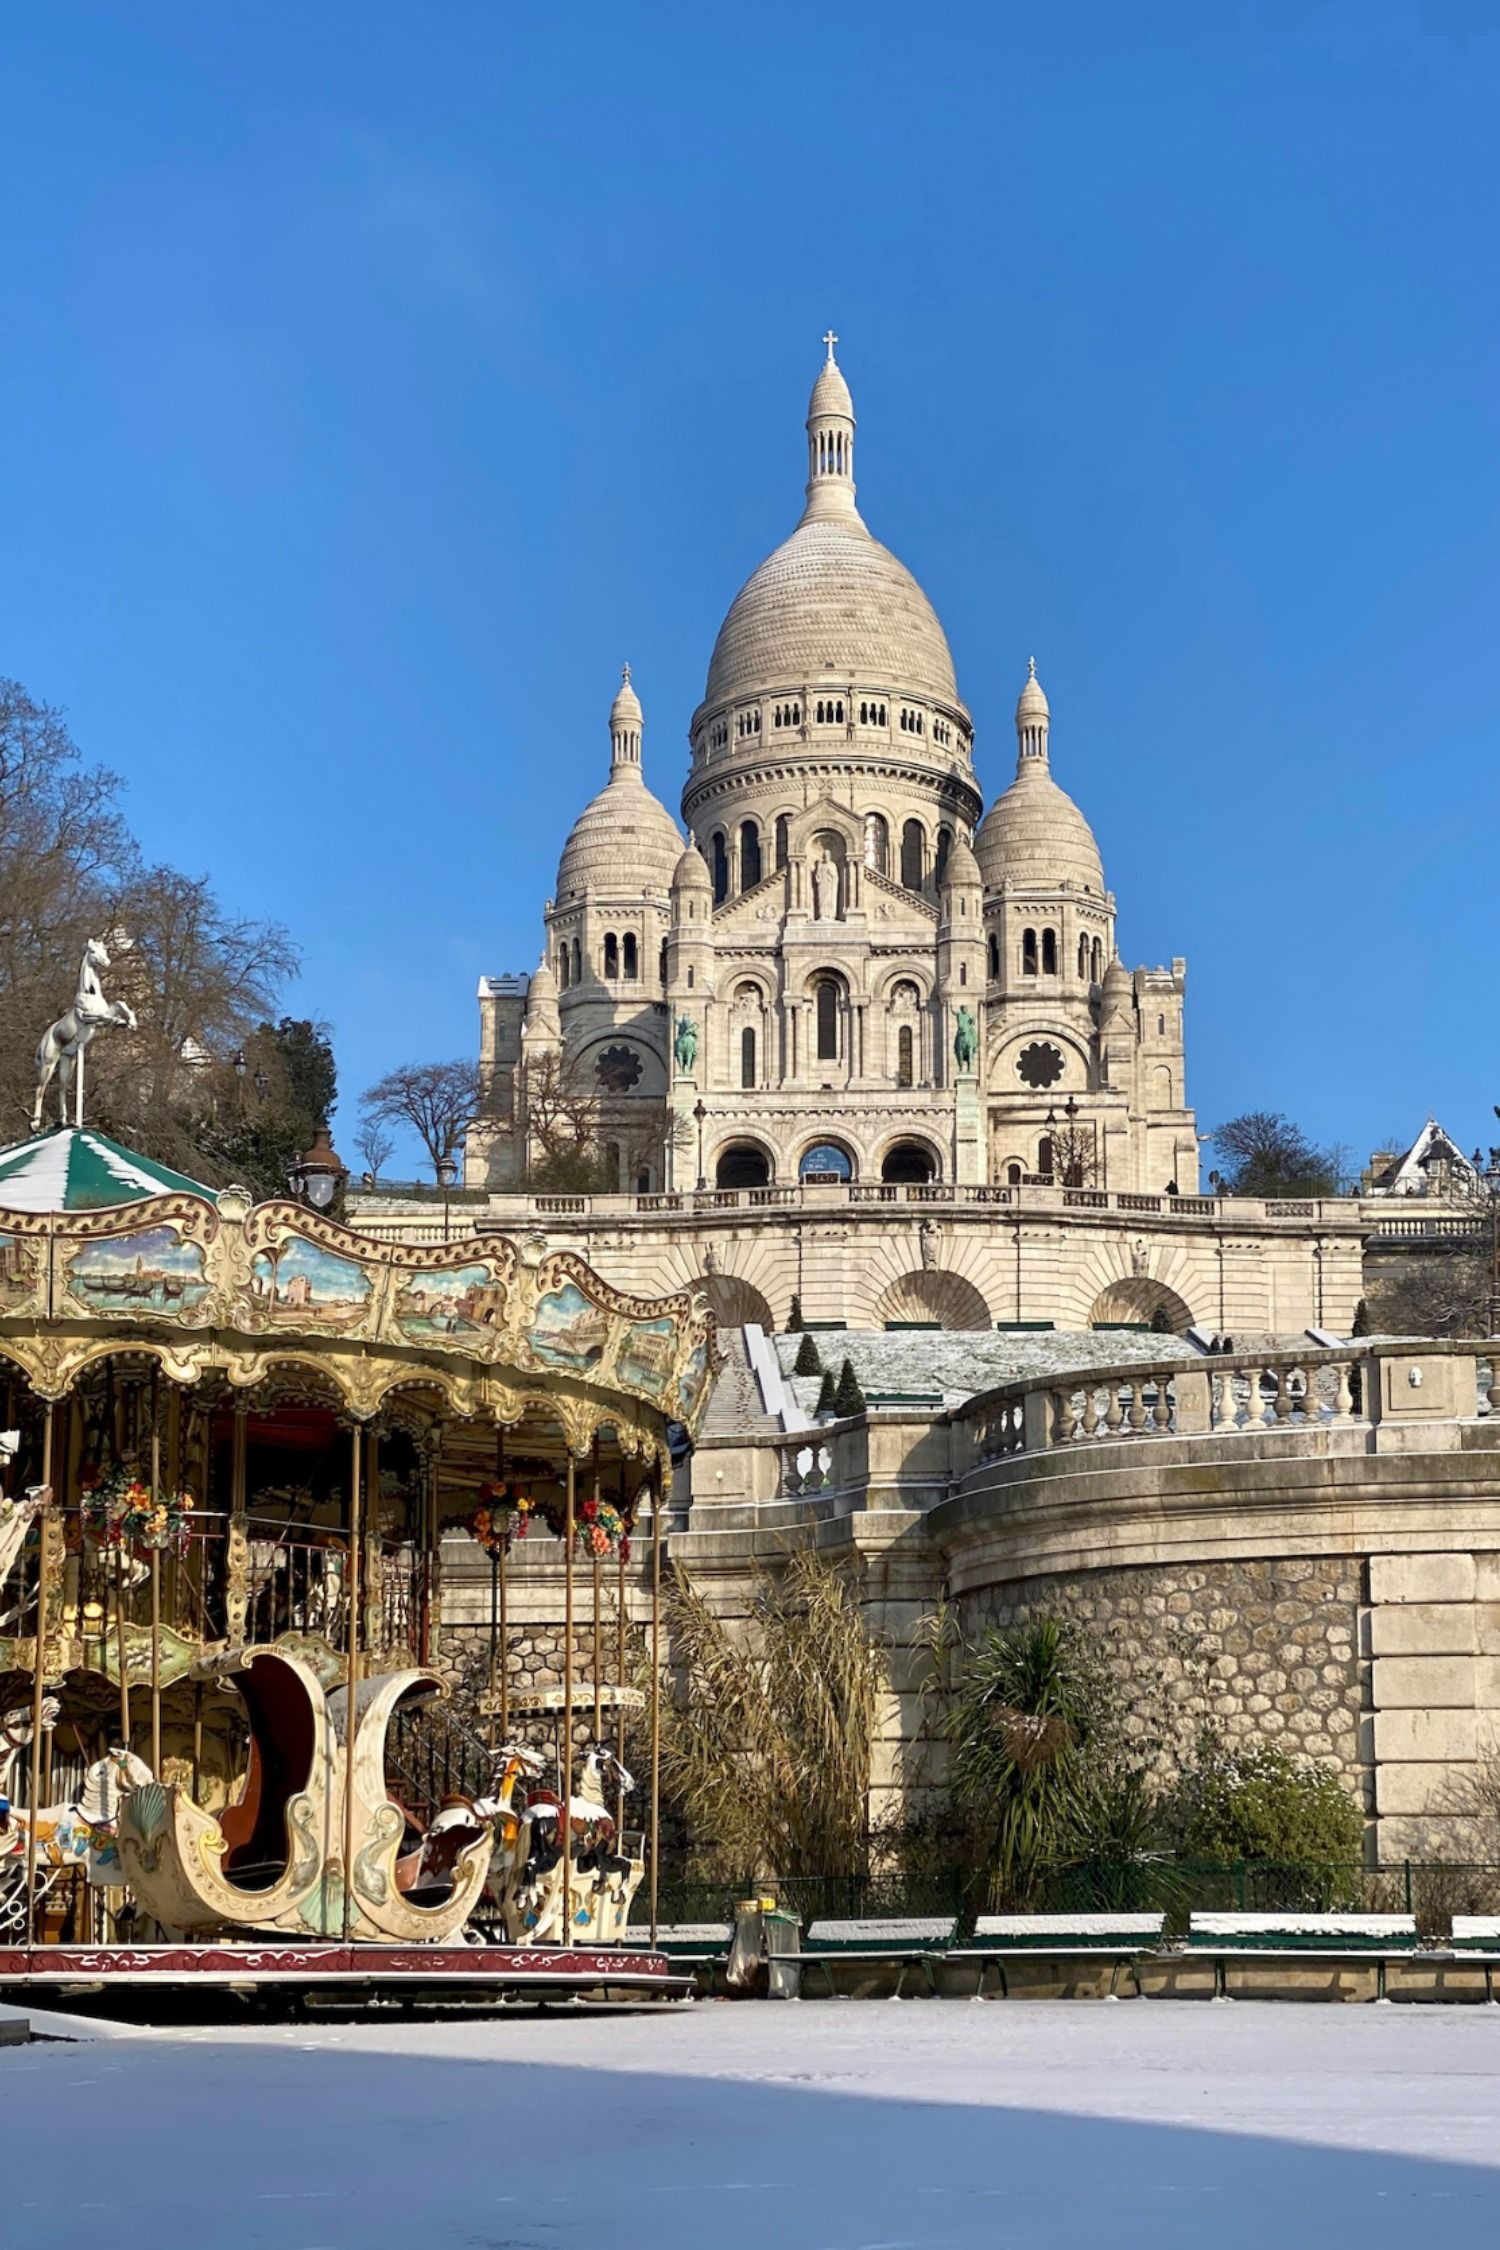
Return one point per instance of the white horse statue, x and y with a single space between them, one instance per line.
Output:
60 1054
602 1879
80 1834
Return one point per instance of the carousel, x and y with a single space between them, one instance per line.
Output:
235 1439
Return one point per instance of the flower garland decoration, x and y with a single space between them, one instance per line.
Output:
118 1512
601 1529
502 1515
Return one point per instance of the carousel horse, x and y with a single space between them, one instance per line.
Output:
62 1045
17 1733
601 1880
75 1834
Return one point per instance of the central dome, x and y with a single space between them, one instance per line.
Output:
831 602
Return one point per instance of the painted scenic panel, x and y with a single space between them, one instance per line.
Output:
569 1329
302 1285
691 1382
152 1271
18 1264
645 1357
462 1302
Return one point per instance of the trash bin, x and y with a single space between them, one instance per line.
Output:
763 1957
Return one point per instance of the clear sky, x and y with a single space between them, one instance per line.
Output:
377 377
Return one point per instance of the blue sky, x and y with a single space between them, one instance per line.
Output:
377 378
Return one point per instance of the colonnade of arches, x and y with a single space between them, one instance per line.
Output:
1041 954
825 1160
741 855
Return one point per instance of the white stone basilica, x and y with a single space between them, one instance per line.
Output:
844 973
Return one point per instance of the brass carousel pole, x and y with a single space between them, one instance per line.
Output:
620 1659
504 1631
38 1677
566 1790
155 1584
655 1690
598 1645
497 1597
351 1672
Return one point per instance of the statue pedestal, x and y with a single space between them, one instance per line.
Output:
968 1132
681 1170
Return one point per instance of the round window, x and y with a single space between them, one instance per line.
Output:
1040 1064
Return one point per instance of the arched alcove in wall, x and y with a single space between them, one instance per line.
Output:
733 1302
909 1160
931 1295
1135 1300
743 1164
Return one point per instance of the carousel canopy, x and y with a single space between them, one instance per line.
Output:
66 1170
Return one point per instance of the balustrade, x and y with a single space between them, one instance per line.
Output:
805 1466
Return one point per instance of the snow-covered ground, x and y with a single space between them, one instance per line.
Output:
830 2126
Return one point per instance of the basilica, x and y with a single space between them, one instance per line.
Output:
847 970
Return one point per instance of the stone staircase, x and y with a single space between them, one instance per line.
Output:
735 1409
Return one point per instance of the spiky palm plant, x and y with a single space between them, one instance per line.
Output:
767 1738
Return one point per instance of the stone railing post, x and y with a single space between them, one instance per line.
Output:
1036 1421
1192 1390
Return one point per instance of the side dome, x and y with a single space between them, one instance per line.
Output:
1035 834
831 601
624 839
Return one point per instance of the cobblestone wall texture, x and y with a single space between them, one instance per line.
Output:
1262 1650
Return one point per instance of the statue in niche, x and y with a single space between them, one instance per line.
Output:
825 886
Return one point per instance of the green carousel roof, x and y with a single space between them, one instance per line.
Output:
67 1170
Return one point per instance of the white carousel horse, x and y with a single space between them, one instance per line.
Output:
80 1834
60 1054
601 1881
16 1520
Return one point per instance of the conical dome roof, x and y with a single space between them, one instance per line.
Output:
831 601
1035 834
624 839
69 1170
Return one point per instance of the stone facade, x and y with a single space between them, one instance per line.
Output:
1264 1649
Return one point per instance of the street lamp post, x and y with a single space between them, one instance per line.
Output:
699 1114
447 1172
318 1174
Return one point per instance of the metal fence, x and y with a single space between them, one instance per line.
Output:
1432 1891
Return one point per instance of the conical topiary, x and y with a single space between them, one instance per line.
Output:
794 1317
1360 1325
1161 1322
807 1361
848 1398
825 1394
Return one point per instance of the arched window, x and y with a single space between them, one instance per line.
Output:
994 957
747 1057
1044 1156
944 846
1028 953
692 977
643 1180
905 1073
562 968
825 1160
661 965
611 955
720 850
913 855
828 1020
911 1161
1083 956
783 837
578 960
612 1160
632 968
742 1165
1097 961
749 855
1049 953
877 843
1161 1027
1013 1174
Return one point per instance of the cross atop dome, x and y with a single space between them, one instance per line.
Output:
830 442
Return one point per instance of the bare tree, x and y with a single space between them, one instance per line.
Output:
374 1143
1264 1153
439 1101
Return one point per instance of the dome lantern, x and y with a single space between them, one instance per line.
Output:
830 443
626 722
1033 717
